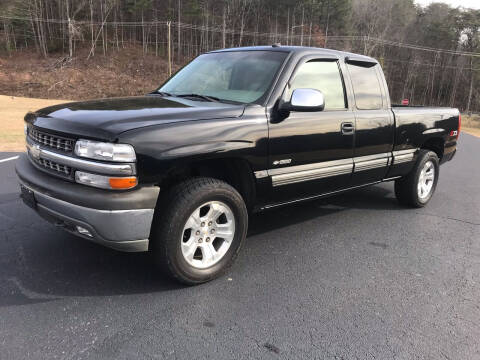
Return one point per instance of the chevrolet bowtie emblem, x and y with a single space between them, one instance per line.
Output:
35 151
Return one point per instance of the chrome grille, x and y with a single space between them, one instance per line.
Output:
52 141
59 169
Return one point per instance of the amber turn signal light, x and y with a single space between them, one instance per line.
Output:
123 182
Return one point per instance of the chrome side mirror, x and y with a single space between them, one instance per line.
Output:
305 100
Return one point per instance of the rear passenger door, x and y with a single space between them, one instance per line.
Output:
374 123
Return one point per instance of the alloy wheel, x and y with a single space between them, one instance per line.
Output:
426 180
208 234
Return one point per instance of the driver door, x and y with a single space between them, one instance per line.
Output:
311 153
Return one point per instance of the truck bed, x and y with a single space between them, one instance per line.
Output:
419 125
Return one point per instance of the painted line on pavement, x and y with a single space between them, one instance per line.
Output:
10 158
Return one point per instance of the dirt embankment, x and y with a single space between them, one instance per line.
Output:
26 78
123 73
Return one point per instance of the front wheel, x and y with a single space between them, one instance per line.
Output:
201 226
417 188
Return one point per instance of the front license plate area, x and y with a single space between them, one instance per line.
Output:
28 197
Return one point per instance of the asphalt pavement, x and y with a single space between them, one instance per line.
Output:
350 277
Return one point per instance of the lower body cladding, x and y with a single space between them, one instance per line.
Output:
104 219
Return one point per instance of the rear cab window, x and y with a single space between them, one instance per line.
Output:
366 86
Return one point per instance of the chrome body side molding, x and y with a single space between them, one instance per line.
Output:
261 174
299 173
403 156
369 162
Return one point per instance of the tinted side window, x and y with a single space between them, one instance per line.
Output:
366 87
324 76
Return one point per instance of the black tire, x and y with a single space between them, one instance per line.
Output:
406 188
171 215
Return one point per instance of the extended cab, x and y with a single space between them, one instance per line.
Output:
235 131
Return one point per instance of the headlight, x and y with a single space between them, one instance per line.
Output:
105 182
105 151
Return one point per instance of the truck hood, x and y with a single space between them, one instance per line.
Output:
105 119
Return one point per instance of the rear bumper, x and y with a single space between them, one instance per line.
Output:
448 154
120 220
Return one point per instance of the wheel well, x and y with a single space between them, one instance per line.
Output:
235 172
436 145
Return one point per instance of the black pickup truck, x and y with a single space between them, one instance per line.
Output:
235 131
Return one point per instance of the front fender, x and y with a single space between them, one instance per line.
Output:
160 148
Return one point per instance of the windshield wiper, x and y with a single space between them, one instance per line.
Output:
163 93
203 97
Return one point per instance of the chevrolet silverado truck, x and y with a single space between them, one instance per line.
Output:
178 171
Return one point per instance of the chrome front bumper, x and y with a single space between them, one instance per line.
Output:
110 219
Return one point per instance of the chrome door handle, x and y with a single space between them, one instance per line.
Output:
348 128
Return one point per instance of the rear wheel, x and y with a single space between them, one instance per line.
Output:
201 226
417 188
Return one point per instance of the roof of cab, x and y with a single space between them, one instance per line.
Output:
302 50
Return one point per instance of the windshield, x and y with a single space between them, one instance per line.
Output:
239 76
